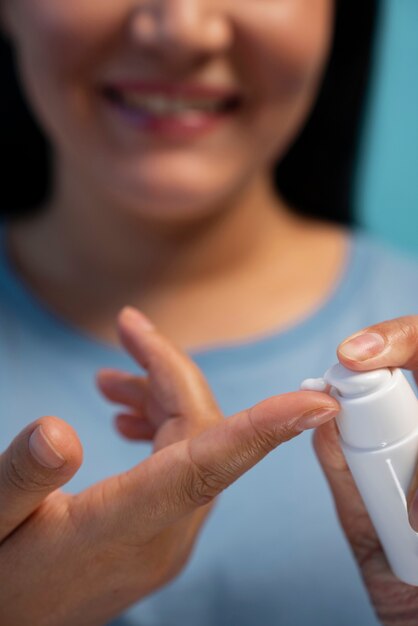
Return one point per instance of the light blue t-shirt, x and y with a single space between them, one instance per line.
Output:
272 552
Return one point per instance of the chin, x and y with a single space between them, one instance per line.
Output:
164 191
165 200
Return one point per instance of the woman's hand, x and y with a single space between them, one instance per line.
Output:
390 344
83 559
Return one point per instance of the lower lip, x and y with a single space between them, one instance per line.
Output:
171 127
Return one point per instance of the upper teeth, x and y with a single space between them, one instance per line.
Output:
162 104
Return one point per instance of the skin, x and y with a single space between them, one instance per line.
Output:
196 224
396 603
175 232
128 535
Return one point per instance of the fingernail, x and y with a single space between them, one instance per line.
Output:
363 346
43 451
413 512
312 419
140 320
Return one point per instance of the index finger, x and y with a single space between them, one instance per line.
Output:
174 378
392 343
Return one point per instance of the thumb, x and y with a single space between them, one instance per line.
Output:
44 456
178 479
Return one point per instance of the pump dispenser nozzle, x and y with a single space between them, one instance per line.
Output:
349 384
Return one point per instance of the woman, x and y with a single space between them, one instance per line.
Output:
164 121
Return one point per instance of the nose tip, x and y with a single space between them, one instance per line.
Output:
181 27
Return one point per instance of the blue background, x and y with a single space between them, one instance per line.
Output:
386 192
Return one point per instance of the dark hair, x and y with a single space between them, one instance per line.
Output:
315 176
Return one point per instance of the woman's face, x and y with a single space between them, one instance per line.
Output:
135 95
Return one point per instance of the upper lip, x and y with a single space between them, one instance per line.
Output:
180 90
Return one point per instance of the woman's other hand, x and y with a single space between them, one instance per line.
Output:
389 344
83 559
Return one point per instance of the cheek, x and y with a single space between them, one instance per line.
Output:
59 44
284 44
59 38
283 48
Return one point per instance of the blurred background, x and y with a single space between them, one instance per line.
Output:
386 188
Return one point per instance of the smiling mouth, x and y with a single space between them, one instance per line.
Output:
162 105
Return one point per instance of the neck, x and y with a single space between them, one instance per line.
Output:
111 257
87 259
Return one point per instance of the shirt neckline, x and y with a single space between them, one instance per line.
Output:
254 347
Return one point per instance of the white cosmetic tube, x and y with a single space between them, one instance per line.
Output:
378 425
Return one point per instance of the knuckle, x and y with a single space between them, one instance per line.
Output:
366 547
203 483
202 486
22 478
264 440
406 329
403 329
